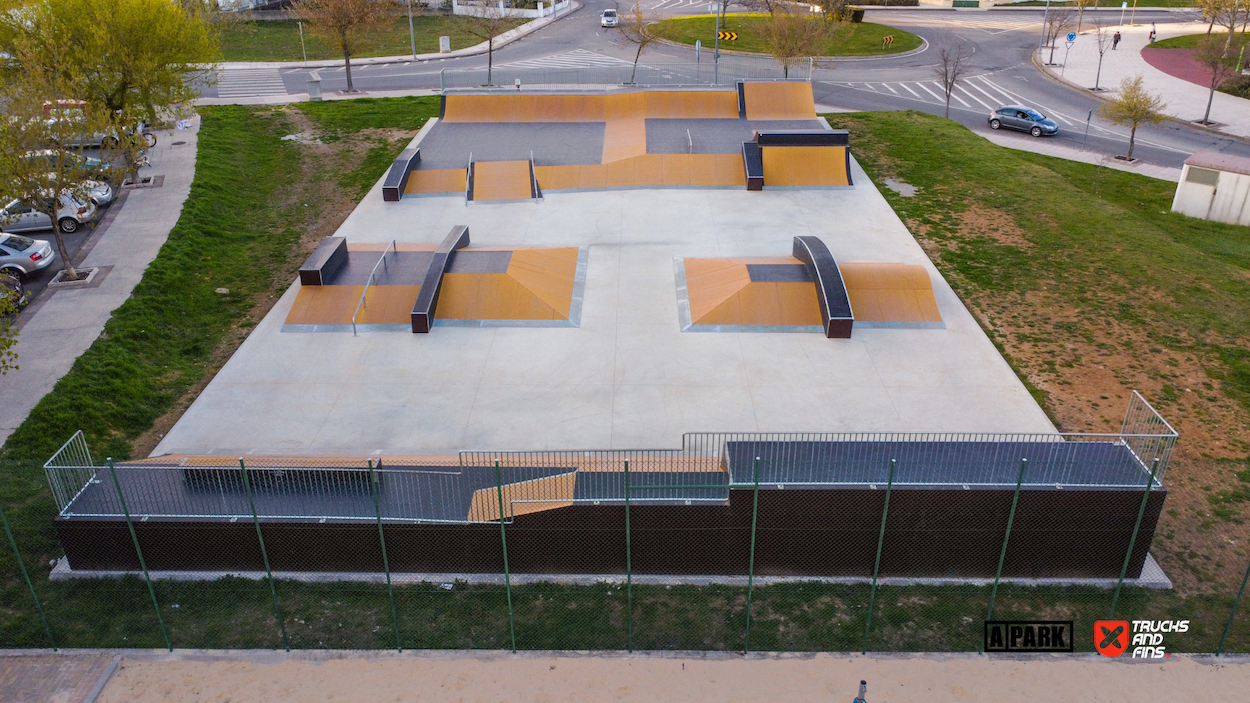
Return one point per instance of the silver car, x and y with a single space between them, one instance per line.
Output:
21 256
1024 119
72 214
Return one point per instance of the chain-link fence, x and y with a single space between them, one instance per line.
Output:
726 72
798 542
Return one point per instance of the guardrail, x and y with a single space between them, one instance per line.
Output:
382 261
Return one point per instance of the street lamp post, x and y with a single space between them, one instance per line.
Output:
412 35
1041 44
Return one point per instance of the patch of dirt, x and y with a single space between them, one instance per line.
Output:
986 222
326 208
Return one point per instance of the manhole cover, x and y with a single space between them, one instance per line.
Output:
178 143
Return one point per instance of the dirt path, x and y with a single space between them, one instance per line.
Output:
724 679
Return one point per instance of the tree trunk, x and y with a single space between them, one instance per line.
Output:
1207 117
1098 76
1132 136
70 272
490 59
1053 41
948 103
347 62
637 56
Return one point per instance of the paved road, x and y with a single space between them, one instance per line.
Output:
1002 72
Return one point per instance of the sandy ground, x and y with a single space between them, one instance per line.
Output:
262 678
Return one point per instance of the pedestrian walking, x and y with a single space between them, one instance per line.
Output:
1152 32
1115 41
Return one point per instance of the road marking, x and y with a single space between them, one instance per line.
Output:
959 86
1052 113
887 87
991 97
249 82
953 94
577 58
937 97
904 87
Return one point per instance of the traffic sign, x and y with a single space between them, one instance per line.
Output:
887 41
1071 36
1069 44
730 36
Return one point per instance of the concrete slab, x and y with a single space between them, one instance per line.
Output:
627 377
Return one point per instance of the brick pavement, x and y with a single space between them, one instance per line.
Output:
50 678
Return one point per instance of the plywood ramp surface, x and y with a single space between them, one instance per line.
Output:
766 304
335 305
450 180
688 104
538 285
710 282
779 101
890 292
552 492
624 137
646 170
501 180
804 166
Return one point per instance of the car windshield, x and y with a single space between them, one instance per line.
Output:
15 242
1037 116
609 13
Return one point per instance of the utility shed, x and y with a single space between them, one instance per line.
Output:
1215 186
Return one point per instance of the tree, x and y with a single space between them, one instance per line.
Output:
1211 11
954 61
793 36
488 23
131 57
1132 107
1220 59
1057 25
9 302
1102 41
633 27
1080 13
343 21
834 10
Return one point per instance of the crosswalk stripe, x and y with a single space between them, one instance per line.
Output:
247 82
930 92
953 94
996 94
577 58
987 106
887 87
904 86
1061 117
992 98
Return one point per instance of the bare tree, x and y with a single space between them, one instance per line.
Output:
343 21
954 61
1211 11
1057 25
1220 59
633 28
487 23
1080 13
1102 42
1132 107
793 36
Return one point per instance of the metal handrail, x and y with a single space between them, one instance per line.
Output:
370 282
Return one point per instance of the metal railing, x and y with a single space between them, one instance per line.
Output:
381 261
647 75
703 470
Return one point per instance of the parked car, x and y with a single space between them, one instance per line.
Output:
21 256
99 192
1025 119
608 18
77 162
12 285
73 212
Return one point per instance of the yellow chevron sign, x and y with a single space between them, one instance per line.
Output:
729 36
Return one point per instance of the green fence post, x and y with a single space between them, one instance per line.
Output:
503 541
142 564
273 590
1002 555
1141 511
21 565
629 570
386 562
755 512
1231 615
876 569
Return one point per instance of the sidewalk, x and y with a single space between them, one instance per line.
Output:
1185 101
500 41
66 321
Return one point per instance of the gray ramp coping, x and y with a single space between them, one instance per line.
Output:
427 298
835 304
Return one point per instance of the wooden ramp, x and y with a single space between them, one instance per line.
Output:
501 180
523 498
450 180
779 101
537 285
684 104
890 292
721 292
804 166
646 170
335 305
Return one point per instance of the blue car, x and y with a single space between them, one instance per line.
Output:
1025 119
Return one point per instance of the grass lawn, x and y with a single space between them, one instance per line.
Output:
278 40
1079 275
862 39
1193 41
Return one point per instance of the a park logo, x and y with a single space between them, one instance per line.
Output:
1111 637
1028 636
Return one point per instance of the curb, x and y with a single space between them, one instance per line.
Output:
501 41
924 46
1169 118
